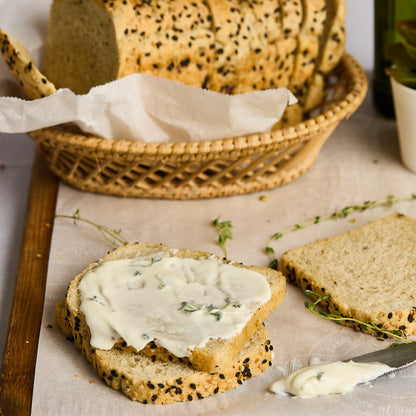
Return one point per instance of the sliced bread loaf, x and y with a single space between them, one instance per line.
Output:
229 46
150 380
368 273
216 353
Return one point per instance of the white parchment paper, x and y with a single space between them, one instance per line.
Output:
150 109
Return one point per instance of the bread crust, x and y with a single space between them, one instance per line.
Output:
21 65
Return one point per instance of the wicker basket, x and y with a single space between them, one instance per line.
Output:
202 169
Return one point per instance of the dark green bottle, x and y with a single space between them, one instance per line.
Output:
386 13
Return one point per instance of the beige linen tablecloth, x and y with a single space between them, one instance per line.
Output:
360 162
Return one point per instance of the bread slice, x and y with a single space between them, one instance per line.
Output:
149 380
21 65
216 354
368 273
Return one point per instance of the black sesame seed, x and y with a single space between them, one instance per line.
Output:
185 62
192 386
222 376
190 397
114 373
216 390
179 381
154 397
410 318
150 385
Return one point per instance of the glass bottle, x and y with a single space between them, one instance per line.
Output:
386 13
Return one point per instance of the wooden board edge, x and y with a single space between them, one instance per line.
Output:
21 342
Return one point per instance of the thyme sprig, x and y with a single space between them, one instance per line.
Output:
365 326
224 233
112 236
342 213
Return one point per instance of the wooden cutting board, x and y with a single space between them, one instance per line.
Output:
21 343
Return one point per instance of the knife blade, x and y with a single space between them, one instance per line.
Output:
397 356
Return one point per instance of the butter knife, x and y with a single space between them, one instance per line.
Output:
397 356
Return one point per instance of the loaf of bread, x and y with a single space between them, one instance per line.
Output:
231 46
216 354
368 273
150 380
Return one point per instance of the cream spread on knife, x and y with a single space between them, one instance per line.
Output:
337 377
179 302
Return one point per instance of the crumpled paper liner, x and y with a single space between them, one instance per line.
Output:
150 109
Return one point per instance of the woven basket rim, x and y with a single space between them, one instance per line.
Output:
338 110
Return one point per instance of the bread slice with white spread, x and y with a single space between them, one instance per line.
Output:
184 304
150 380
368 273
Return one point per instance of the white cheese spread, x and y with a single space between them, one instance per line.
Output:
180 303
337 377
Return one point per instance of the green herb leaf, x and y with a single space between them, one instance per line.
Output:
368 327
112 236
224 233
